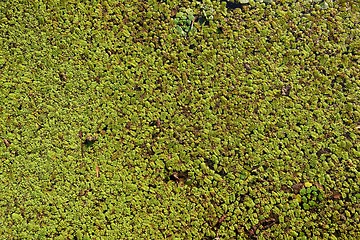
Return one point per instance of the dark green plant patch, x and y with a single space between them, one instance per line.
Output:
310 196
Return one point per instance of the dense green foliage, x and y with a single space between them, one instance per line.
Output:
150 120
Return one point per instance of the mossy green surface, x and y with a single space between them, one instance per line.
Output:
115 125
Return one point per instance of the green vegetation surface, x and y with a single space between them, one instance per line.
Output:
179 119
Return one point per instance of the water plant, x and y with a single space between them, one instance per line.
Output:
310 196
184 22
114 123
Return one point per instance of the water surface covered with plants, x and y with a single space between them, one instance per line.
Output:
179 119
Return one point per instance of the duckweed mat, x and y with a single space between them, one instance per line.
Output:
179 119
